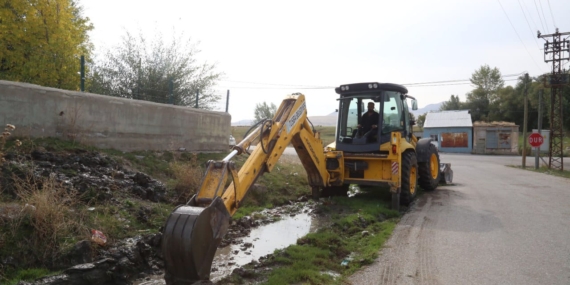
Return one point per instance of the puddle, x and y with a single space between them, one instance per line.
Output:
261 241
264 240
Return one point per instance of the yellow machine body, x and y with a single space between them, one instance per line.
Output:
193 231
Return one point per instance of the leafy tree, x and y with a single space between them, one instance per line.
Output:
264 111
143 70
421 120
42 41
487 84
454 103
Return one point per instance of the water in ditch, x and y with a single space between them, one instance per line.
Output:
262 241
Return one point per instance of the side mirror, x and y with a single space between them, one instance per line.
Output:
412 122
414 104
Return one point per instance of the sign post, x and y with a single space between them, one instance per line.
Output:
535 140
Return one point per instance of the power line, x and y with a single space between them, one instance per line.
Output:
518 34
458 80
277 88
542 11
531 32
274 84
464 83
551 14
530 16
423 84
330 87
537 12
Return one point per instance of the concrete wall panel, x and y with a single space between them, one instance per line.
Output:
110 122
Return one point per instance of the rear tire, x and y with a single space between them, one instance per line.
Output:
341 191
429 170
409 185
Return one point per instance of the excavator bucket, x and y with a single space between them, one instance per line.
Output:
189 241
446 176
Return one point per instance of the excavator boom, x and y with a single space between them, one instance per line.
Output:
193 231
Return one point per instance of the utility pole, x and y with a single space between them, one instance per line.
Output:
537 154
82 73
197 94
228 101
171 91
556 50
525 120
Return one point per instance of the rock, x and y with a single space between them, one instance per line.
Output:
302 199
8 261
142 179
365 233
139 191
38 154
118 175
45 164
244 273
81 253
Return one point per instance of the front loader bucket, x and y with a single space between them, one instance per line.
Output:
446 176
190 239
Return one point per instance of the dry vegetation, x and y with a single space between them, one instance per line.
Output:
187 176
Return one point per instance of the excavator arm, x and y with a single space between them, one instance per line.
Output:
193 231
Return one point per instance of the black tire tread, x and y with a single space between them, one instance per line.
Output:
409 159
426 182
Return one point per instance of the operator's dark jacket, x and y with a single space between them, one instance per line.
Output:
367 120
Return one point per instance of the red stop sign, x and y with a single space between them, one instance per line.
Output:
535 139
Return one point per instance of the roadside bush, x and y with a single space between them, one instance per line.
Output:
187 178
49 218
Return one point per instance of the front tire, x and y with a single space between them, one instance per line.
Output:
409 185
429 170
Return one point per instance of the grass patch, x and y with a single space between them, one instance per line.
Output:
29 274
327 134
546 170
360 226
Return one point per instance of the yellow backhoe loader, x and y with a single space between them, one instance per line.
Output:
379 152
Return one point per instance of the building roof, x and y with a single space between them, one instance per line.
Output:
444 119
494 124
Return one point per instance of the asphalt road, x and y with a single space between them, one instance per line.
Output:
495 225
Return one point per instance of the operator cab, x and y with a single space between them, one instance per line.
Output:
369 112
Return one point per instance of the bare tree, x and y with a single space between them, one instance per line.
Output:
159 71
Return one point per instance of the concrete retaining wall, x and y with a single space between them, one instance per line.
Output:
110 122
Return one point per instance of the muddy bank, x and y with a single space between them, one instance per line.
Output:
138 260
98 179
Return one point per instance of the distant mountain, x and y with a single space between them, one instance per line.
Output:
427 109
243 123
330 119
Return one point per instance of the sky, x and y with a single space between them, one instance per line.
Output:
269 49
